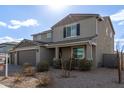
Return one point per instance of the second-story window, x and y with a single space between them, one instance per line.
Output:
72 30
49 35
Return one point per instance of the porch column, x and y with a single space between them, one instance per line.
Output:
15 58
89 52
57 52
91 55
38 55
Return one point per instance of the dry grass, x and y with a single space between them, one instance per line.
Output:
18 78
44 81
29 71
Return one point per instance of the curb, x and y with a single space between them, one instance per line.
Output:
2 86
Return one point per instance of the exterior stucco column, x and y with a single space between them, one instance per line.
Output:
89 52
57 52
91 55
16 59
38 54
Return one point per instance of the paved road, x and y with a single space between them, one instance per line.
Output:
2 86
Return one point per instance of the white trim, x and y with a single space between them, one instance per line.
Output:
70 37
70 25
48 35
84 52
6 70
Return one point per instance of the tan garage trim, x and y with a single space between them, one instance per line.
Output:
26 48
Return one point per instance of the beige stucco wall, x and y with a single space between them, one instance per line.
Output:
105 43
66 53
46 54
87 28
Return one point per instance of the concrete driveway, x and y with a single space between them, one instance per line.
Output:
2 86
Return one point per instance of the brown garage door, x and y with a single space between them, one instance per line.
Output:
27 56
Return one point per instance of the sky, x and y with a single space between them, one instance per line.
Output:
20 22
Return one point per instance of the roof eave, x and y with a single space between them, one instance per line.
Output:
94 15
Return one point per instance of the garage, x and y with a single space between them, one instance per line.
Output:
27 56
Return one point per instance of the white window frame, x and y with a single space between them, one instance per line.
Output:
82 56
71 25
39 37
49 35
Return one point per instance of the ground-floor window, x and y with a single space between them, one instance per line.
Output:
79 53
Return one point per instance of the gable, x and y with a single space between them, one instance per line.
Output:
71 18
107 18
25 43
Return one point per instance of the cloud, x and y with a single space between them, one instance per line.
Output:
9 39
14 27
121 23
3 24
15 24
119 43
118 17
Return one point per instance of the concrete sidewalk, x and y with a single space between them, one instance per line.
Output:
2 86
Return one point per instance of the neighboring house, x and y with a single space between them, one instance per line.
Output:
77 35
5 48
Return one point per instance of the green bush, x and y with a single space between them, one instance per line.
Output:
57 63
43 66
85 65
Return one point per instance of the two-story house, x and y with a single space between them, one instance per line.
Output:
77 35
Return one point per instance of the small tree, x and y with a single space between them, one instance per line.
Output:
119 60
66 67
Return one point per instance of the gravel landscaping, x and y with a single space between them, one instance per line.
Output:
98 78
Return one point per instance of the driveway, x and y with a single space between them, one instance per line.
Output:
2 86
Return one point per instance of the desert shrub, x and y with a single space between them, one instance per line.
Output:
28 70
57 63
25 65
43 81
85 65
70 64
18 78
43 66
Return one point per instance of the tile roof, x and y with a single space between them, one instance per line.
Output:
9 43
43 32
28 43
73 40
